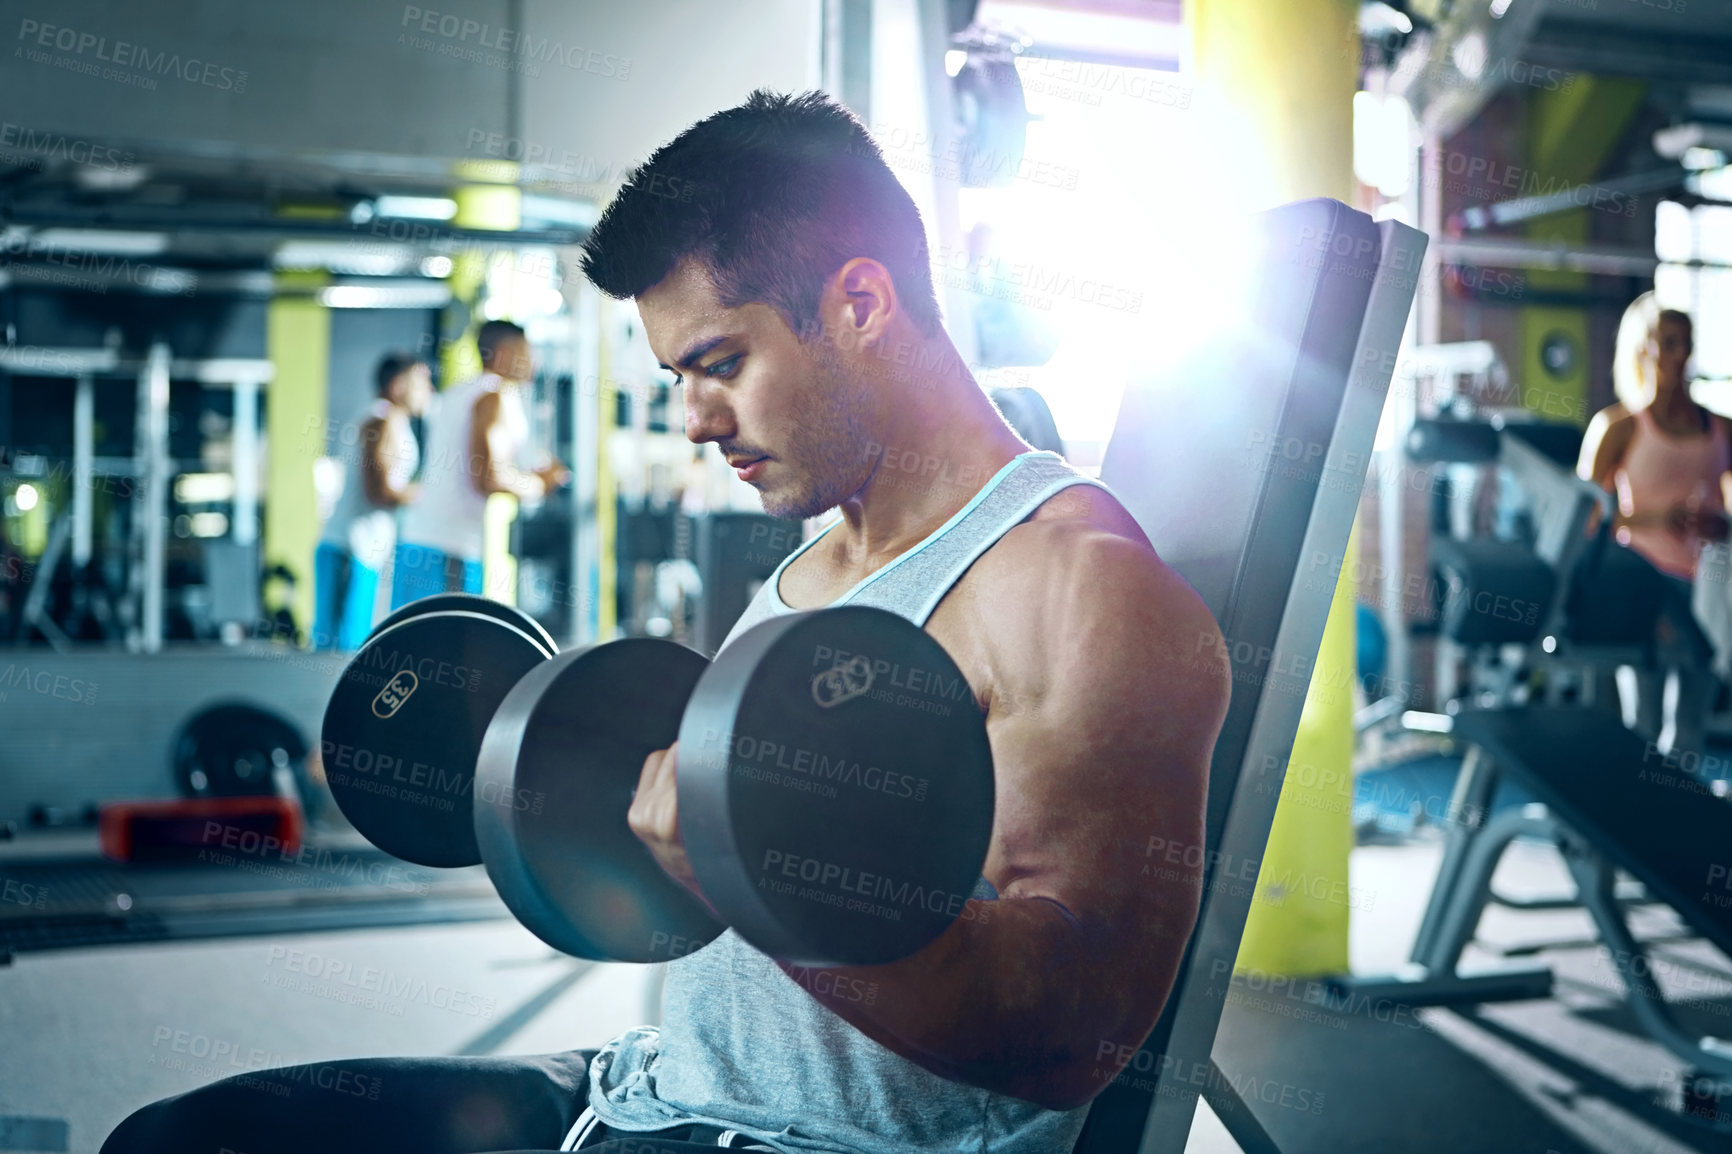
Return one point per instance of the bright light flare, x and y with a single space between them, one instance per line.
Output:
1469 55
1127 236
1385 139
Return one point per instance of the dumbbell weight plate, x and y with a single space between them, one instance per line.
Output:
836 787
552 787
404 725
470 603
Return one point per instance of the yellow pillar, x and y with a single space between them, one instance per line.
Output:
1283 74
1299 917
497 206
298 343
1286 73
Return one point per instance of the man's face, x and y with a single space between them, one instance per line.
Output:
412 389
792 420
512 359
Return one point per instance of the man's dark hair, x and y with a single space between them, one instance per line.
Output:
492 335
393 365
772 198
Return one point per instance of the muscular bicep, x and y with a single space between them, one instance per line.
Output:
1102 727
1080 815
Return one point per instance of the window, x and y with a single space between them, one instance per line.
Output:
1695 274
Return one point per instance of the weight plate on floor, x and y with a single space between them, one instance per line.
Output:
404 725
554 781
235 749
835 787
470 603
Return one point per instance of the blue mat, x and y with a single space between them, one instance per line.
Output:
1392 801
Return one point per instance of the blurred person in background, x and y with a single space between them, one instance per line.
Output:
1662 456
1664 459
478 444
356 544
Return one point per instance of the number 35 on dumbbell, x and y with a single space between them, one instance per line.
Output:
834 779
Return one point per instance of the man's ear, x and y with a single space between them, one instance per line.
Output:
860 301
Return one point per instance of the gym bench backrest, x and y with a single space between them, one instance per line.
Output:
1244 464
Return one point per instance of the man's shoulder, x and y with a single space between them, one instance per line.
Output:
485 405
1082 550
469 389
1087 507
1076 528
1075 602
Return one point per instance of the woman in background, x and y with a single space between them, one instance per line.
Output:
1660 454
1664 460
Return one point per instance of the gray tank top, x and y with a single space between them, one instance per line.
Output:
744 1046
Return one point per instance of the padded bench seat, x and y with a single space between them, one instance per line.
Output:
1651 819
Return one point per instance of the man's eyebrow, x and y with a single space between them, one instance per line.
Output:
696 351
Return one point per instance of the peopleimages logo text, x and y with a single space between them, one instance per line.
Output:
123 54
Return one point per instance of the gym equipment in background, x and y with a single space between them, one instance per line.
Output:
1608 802
234 749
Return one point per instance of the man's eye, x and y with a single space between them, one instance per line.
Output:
725 368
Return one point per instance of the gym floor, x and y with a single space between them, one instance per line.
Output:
1570 1073
1573 1073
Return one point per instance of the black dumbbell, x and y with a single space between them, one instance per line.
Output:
486 606
404 725
835 780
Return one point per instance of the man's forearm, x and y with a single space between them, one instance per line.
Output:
1008 999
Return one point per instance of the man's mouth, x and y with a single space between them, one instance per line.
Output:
748 468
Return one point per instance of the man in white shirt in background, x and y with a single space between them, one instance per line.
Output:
477 444
356 543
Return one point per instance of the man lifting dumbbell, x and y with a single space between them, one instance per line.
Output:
843 779
781 290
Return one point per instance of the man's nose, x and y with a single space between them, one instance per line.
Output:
707 418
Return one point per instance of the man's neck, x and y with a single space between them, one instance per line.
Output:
940 446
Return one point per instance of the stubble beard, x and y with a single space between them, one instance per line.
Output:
829 459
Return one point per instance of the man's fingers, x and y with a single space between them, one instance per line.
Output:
653 812
655 772
636 817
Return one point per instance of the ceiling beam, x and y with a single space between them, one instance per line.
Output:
1578 47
